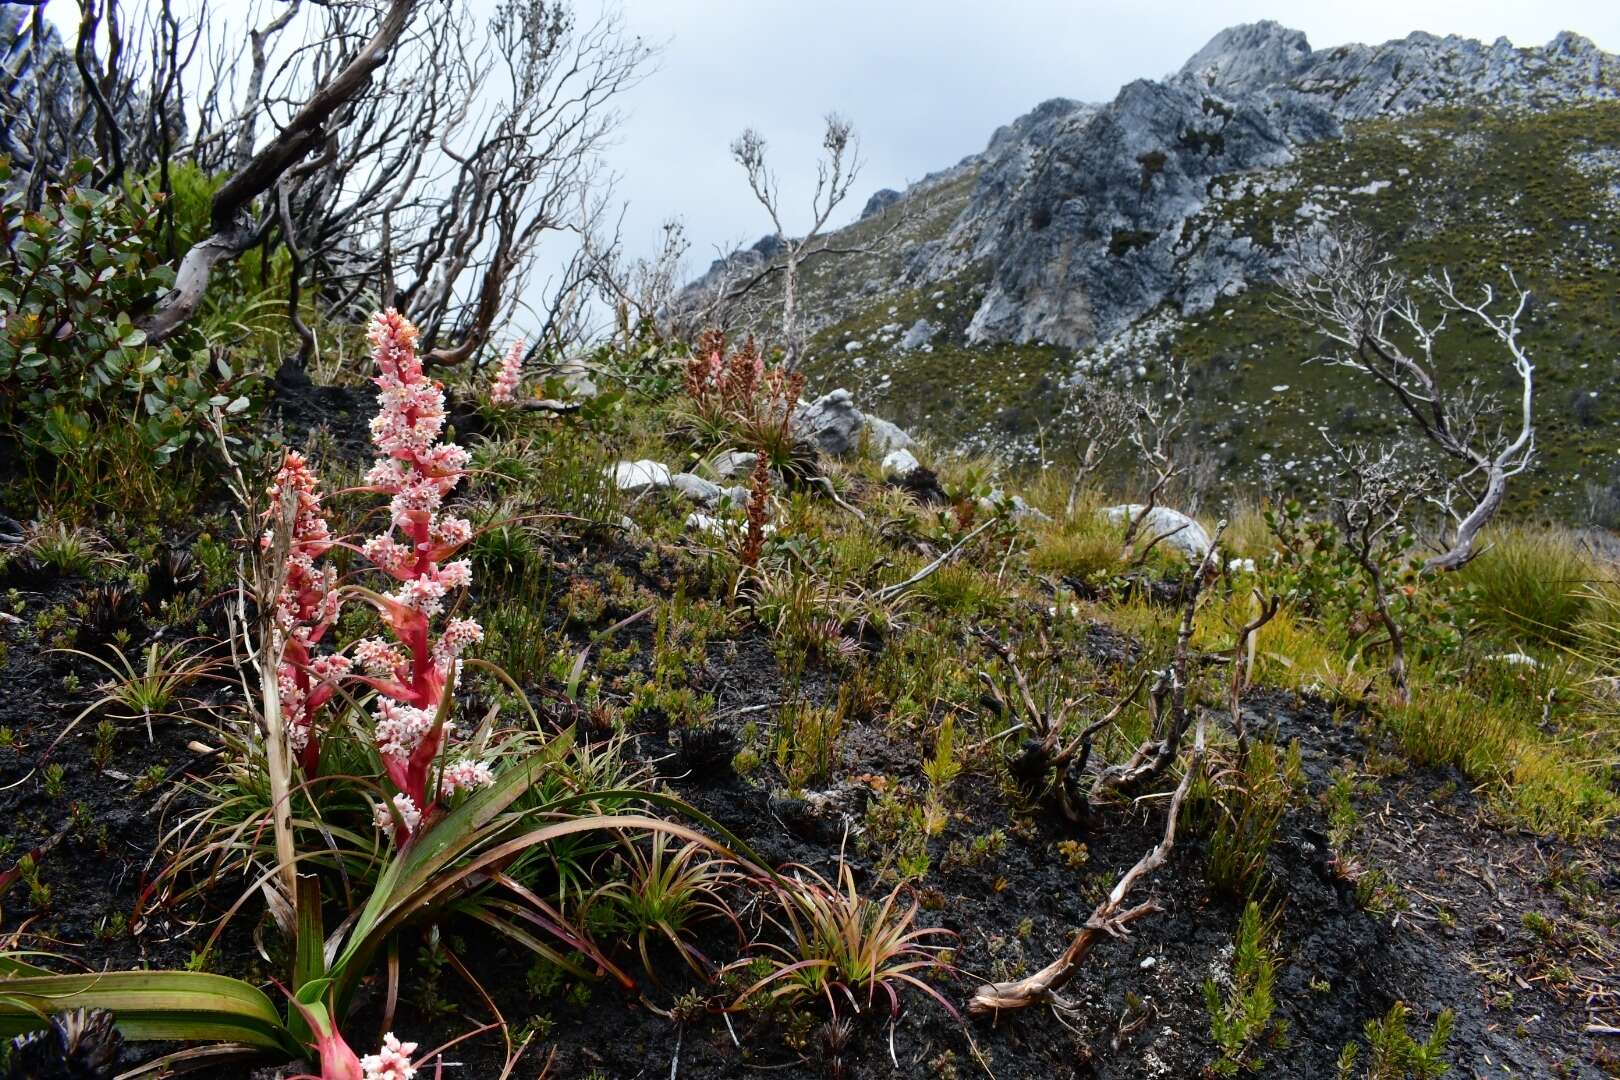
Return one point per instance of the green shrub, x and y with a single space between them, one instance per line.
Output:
92 406
1242 1017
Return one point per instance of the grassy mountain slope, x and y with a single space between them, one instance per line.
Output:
1471 190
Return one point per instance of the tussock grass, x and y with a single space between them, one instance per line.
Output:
1531 585
1496 739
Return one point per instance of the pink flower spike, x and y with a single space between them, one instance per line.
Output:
417 471
506 378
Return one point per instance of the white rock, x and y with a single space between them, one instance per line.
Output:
703 523
1187 536
1020 510
735 463
899 464
885 436
696 488
637 477
1516 659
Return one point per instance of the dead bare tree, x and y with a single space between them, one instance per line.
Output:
1100 414
234 228
397 160
1265 609
836 171
1155 423
1047 764
1110 918
1173 712
1348 289
641 291
1370 508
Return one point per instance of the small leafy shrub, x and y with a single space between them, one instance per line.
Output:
93 407
1392 1053
1240 1018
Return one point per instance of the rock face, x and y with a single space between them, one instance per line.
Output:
1358 81
1081 217
1091 238
1080 212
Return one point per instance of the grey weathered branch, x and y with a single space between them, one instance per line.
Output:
1111 917
233 228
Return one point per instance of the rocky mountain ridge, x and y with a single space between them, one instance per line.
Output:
1087 236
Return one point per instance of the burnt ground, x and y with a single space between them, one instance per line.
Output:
1450 931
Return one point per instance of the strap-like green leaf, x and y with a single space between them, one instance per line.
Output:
181 1005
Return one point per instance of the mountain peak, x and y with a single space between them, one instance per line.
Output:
1248 57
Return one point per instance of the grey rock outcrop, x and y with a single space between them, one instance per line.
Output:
1084 218
880 201
1181 533
831 422
1081 213
1414 72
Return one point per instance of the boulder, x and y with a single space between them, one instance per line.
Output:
734 463
1186 535
886 436
899 464
640 477
831 422
696 488
921 333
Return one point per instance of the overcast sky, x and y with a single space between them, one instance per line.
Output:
927 81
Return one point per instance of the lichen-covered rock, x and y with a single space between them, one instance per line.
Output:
831 422
639 477
1181 532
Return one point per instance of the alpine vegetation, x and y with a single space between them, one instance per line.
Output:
1138 602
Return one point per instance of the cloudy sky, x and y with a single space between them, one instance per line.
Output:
927 81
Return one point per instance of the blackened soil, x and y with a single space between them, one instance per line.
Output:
1341 964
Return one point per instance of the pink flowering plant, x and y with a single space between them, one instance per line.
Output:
305 609
503 390
415 673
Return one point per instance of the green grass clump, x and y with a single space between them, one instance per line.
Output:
1528 585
